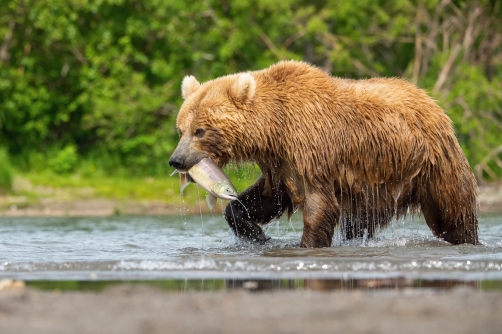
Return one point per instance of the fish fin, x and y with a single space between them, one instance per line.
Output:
183 182
211 201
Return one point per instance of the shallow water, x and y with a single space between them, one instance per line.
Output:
195 248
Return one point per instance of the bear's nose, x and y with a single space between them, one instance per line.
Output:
177 162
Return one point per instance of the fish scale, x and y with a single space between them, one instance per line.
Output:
212 179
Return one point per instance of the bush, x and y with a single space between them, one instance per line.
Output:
104 76
5 172
65 160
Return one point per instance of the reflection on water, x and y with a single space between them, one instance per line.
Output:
156 248
195 285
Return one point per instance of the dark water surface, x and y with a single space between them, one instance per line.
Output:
301 284
186 251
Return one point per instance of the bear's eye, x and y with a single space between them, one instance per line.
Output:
199 132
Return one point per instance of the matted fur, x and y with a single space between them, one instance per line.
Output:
362 151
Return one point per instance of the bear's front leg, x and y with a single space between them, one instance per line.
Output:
258 205
320 216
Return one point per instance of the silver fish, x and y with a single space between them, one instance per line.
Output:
212 179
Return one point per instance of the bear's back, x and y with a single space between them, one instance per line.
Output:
388 118
307 90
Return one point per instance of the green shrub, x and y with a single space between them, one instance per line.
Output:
65 160
5 172
109 84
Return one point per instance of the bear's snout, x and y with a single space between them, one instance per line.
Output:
186 155
177 162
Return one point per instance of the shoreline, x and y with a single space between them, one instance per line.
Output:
142 309
102 208
489 197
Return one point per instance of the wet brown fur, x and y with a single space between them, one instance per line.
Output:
357 152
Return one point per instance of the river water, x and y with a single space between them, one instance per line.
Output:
195 247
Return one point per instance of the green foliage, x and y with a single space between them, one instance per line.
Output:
5 172
102 77
476 109
65 160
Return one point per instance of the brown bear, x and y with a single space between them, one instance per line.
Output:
354 153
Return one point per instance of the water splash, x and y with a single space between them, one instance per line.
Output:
201 219
365 237
76 248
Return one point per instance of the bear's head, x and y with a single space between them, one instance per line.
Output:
211 120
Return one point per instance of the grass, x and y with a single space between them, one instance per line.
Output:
5 172
166 189
109 186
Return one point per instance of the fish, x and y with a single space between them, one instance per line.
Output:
211 178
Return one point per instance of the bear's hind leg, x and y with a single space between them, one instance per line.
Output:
255 208
320 216
452 218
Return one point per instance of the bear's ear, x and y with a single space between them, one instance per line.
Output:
189 86
244 88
